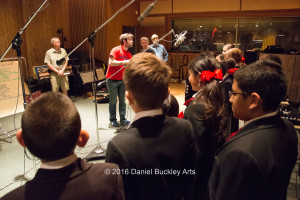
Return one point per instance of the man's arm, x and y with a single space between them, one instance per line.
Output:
52 68
61 72
113 62
165 55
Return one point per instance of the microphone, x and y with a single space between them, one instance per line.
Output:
180 38
59 62
101 84
146 12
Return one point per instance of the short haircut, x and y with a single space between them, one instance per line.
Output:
170 106
144 38
147 78
264 78
54 38
125 36
271 57
51 126
154 36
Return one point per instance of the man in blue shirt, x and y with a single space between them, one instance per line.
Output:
160 50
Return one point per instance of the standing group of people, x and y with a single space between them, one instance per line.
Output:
163 157
118 58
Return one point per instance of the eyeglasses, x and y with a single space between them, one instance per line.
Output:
231 93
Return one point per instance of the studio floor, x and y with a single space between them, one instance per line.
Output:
16 167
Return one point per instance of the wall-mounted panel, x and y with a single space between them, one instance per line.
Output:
161 7
269 4
153 21
85 17
128 17
180 6
11 21
45 25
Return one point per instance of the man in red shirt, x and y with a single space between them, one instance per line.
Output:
119 56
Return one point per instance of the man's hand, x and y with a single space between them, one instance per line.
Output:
60 72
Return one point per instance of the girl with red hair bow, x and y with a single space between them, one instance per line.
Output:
205 112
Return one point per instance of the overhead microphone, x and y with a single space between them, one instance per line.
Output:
180 38
146 12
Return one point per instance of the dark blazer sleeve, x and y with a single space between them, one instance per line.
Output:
241 177
114 155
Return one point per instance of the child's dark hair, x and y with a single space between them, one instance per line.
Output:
211 95
51 126
170 106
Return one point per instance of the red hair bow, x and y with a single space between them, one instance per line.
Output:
231 71
207 76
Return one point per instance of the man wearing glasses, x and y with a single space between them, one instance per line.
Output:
257 161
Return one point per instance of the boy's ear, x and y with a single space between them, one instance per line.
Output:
255 101
83 138
20 137
129 96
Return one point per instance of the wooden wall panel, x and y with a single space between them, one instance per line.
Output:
180 6
128 17
11 21
269 4
14 14
85 17
160 7
43 27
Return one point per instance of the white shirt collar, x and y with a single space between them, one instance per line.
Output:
263 116
146 113
57 164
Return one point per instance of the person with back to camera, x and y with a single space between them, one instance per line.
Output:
170 106
257 161
57 77
119 56
62 174
162 146
206 113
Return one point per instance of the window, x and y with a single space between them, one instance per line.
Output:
281 34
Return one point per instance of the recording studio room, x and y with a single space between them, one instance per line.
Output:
85 35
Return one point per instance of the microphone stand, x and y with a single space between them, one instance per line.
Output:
98 152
